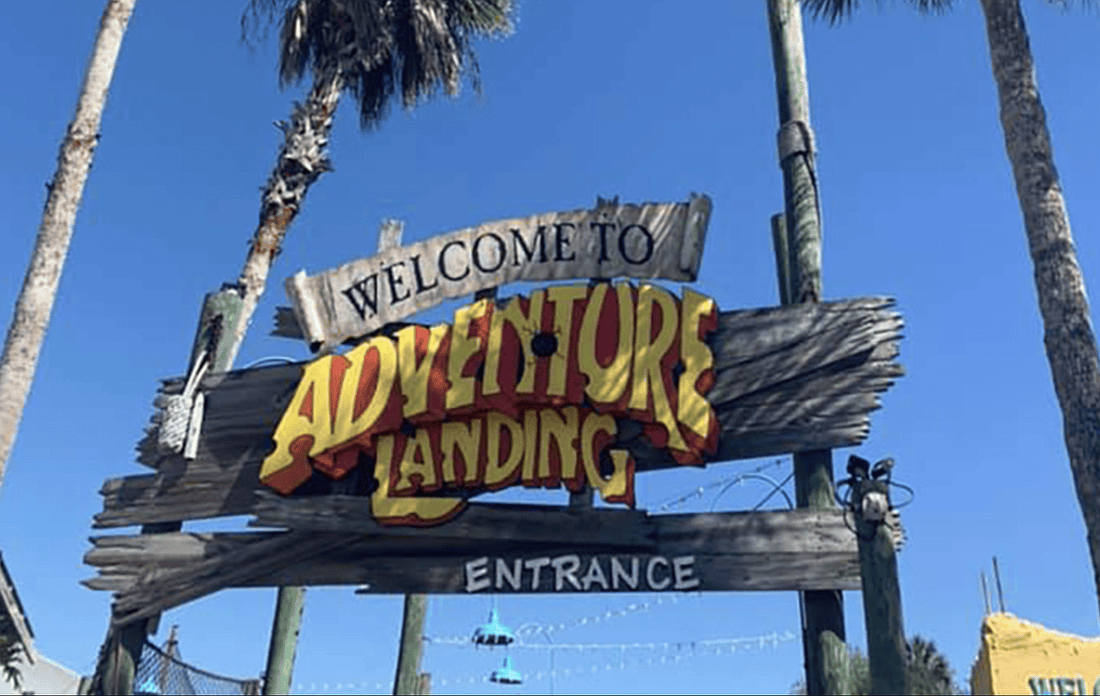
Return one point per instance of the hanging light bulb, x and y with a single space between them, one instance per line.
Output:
506 674
493 632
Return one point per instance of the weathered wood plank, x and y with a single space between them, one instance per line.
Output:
787 379
714 573
493 521
772 550
650 240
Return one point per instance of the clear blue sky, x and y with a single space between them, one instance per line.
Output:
648 101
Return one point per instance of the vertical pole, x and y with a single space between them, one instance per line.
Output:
823 633
408 679
782 262
289 605
1000 592
410 653
878 569
220 313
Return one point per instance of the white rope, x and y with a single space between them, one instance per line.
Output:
176 420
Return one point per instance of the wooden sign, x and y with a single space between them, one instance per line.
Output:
651 240
525 393
489 548
786 379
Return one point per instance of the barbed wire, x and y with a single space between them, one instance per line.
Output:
698 648
682 499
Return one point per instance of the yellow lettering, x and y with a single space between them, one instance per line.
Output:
695 412
563 297
648 351
466 438
530 445
357 409
307 419
526 326
415 377
419 512
417 467
463 347
606 385
502 470
619 487
561 429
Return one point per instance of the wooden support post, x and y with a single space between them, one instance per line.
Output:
220 312
782 260
285 627
823 633
408 679
878 566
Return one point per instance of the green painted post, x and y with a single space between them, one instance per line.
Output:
823 610
289 606
407 682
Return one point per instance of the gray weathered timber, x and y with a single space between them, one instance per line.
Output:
773 550
650 240
527 523
882 614
787 379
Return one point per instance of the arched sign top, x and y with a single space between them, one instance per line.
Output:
649 240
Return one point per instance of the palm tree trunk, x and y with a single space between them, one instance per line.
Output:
1063 304
35 304
302 159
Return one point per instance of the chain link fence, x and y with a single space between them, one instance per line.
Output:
160 673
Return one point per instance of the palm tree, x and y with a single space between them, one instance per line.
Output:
11 652
1063 303
927 672
374 49
27 330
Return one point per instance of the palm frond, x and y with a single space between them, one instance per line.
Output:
836 11
381 47
11 650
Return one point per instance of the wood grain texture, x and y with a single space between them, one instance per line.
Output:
613 527
611 240
772 550
787 380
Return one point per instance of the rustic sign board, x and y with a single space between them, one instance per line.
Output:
489 548
787 379
650 240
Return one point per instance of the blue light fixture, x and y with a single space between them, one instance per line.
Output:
493 632
506 674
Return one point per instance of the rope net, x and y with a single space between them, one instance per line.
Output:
160 673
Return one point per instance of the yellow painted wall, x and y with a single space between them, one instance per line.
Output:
1020 657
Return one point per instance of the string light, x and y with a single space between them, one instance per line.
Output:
535 629
709 647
